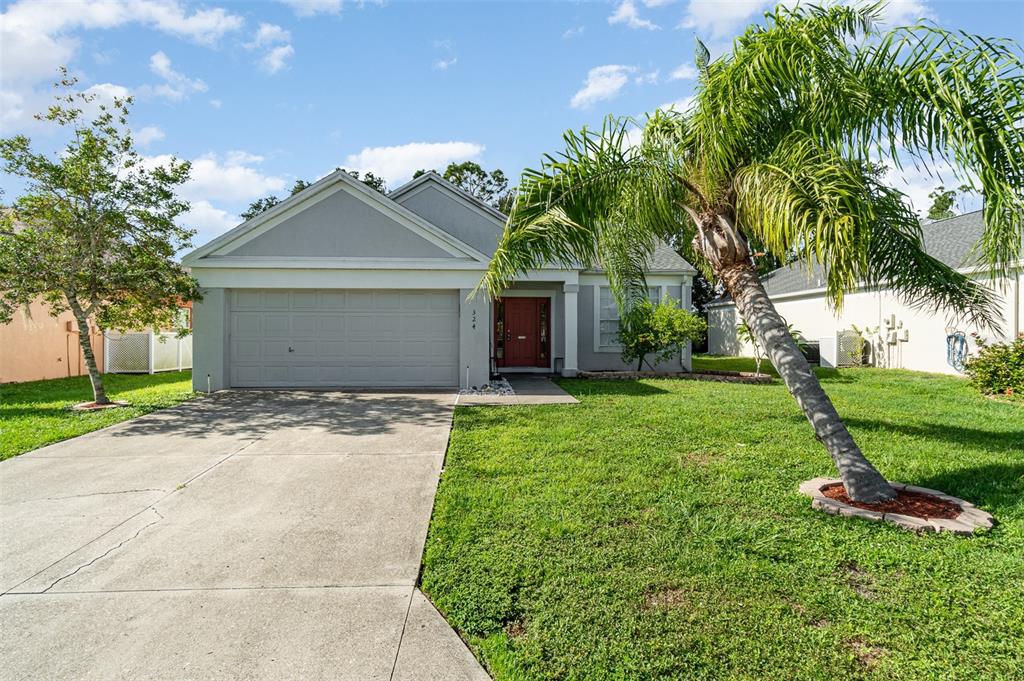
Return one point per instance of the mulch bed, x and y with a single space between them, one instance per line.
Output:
906 502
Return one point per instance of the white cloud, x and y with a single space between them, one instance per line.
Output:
573 32
208 220
718 18
917 181
684 72
231 178
603 82
905 12
269 34
147 135
398 163
657 3
176 86
36 37
308 8
277 42
679 105
448 57
276 59
216 103
649 78
626 13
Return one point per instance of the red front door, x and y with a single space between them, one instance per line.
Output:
522 332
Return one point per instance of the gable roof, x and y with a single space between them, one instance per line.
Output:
951 241
432 177
339 180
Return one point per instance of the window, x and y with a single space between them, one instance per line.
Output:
608 316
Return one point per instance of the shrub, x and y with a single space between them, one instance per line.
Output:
659 330
998 368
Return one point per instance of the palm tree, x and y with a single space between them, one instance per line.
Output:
782 144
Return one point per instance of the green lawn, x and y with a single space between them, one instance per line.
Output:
655 531
716 363
37 413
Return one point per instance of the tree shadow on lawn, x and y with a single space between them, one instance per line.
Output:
583 387
1010 441
992 486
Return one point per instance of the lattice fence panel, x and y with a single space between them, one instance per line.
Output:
128 353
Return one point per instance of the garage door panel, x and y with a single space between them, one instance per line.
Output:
344 338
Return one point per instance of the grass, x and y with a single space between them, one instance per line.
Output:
655 531
37 413
717 363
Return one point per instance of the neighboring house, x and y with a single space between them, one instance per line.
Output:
342 286
901 335
35 346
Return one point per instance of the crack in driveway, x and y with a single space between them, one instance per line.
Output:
108 551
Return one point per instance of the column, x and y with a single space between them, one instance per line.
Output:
686 356
569 362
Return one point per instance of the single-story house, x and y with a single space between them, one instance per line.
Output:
897 335
343 286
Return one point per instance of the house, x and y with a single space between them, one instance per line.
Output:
897 335
342 286
35 346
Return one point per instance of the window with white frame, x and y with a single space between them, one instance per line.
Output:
608 316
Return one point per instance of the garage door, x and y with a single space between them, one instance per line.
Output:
338 338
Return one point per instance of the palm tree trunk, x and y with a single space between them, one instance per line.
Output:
99 394
862 480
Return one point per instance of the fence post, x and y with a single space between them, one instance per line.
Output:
152 352
177 341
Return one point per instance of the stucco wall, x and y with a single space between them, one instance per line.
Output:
440 208
340 225
35 346
925 350
591 359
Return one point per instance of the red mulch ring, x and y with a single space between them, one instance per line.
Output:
909 503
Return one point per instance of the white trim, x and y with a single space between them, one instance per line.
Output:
328 186
413 187
306 262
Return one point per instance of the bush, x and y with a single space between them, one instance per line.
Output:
659 330
998 368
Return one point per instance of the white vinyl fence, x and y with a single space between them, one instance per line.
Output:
145 352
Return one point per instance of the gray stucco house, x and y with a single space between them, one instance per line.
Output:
342 286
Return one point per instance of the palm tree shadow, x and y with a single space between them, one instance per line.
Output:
991 486
999 440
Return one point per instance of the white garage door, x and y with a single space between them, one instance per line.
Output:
335 337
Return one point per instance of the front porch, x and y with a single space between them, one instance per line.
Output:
534 329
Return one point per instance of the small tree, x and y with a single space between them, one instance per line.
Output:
744 333
94 231
659 330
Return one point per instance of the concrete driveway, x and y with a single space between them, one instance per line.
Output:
244 535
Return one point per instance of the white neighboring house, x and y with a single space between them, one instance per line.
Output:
342 286
906 337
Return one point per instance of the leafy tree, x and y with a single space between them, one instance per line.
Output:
943 201
777 146
260 206
267 202
370 180
660 330
489 187
94 231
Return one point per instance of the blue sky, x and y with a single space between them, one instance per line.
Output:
259 94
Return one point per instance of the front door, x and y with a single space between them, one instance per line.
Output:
522 332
